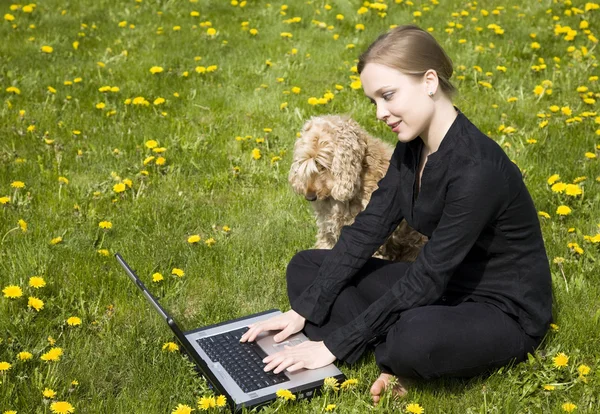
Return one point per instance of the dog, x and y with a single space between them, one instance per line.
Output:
336 166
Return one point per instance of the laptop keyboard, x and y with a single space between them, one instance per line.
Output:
242 360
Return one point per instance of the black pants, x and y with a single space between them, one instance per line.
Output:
427 342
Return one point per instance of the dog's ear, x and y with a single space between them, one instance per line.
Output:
349 152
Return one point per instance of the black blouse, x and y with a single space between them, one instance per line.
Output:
485 241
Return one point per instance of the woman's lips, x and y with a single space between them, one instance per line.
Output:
395 126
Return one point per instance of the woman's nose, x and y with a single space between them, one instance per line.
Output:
382 112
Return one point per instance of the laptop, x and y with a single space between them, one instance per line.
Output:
235 369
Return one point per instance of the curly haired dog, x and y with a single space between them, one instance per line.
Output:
336 166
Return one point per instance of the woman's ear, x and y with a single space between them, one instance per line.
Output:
431 82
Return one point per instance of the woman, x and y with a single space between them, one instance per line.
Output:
478 295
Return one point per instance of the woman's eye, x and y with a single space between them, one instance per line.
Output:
387 96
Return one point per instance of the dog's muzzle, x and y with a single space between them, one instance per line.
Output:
311 196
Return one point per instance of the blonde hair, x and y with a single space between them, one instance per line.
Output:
412 51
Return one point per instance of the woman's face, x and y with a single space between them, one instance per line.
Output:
402 101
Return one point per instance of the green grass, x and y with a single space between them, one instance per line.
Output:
210 180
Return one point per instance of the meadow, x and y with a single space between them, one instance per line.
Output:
164 130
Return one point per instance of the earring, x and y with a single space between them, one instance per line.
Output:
430 93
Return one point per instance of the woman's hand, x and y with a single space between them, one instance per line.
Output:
288 323
309 355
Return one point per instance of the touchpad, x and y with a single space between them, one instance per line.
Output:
280 346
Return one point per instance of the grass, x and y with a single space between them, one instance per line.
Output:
210 180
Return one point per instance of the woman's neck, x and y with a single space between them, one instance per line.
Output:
441 121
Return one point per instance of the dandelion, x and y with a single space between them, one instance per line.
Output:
182 409
24 356
61 407
560 360
47 49
331 383
177 272
35 303
573 190
13 89
569 407
205 403
63 180
221 401
543 214
349 383
49 393
590 155
74 321
105 225
156 69
563 211
17 184
157 277
4 200
559 187
256 153
583 370
119 188
159 101
414 408
103 252
160 161
210 242
4 366
356 84
170 346
9 17
12 292
37 282
193 239
285 395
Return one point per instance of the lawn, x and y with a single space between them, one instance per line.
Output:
133 126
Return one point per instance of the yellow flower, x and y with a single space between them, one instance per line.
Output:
4 366
24 356
17 184
9 17
331 383
105 225
549 387
74 321
543 214
156 69
285 395
573 190
563 210
12 292
553 178
256 153
414 408
349 383
47 49
4 200
159 101
210 242
37 282
35 303
560 360
148 160
160 161
61 407
330 407
56 240
559 187
119 188
205 403
296 90
170 346
177 272
211 31
13 89
356 84
221 401
63 180
583 369
104 252
590 155
194 239
569 407
48 393
182 409
157 277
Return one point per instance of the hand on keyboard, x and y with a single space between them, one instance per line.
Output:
309 355
288 323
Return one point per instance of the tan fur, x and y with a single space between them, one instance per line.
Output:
336 166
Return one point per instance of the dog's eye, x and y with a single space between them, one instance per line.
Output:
320 167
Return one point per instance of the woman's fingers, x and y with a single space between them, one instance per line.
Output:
257 328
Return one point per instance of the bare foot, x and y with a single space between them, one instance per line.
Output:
382 383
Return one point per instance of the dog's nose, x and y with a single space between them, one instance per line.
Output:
311 196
